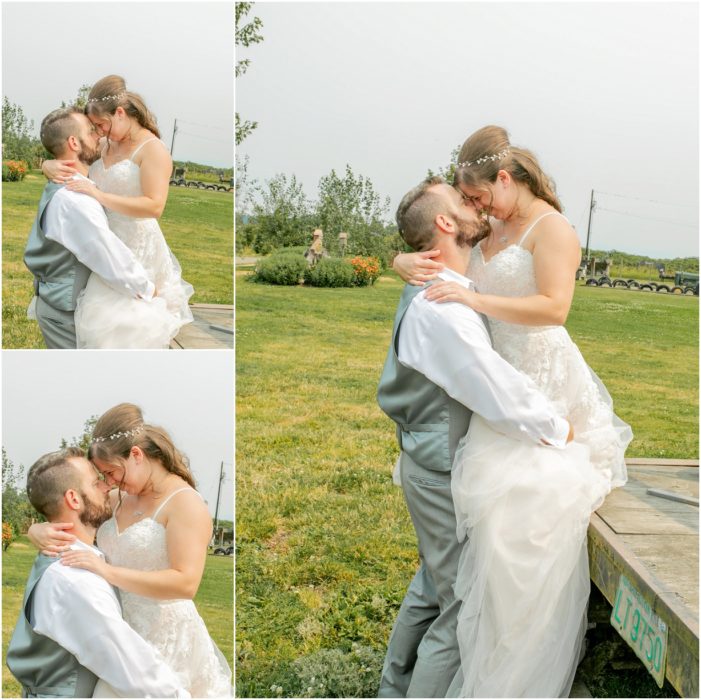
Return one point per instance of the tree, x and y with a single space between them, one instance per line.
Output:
282 216
247 33
18 143
17 512
84 439
448 171
350 204
81 98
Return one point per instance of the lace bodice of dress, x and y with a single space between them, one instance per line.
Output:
142 235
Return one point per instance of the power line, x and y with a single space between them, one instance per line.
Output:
206 126
647 218
643 199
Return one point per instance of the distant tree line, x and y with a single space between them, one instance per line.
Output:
630 260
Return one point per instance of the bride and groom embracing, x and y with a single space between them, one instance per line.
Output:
508 440
104 276
117 620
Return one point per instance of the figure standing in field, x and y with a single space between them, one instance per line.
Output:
523 577
130 180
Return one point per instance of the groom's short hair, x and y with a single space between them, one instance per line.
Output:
57 126
50 477
417 212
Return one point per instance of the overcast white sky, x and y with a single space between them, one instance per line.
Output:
177 55
606 94
48 395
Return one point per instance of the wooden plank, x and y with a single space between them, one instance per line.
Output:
673 560
662 462
192 338
675 519
609 556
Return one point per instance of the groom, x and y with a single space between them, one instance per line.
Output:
70 630
71 237
439 369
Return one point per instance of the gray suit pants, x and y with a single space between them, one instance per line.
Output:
57 327
423 656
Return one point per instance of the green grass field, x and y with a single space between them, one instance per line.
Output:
214 602
325 544
197 225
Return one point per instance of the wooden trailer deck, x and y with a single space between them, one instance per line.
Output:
654 542
213 328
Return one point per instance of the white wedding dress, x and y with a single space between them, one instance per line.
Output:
173 627
106 318
523 575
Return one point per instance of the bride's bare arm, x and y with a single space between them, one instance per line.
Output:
556 257
58 171
417 268
188 532
51 538
155 167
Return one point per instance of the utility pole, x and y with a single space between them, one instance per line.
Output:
592 204
175 131
216 511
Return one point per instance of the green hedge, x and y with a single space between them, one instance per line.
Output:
330 272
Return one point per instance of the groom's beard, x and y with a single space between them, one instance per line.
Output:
94 514
471 232
88 154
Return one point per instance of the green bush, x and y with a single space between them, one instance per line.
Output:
330 272
281 268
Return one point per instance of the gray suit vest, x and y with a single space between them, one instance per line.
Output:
44 668
429 422
58 275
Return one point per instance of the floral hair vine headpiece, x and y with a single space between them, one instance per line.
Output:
484 159
116 96
124 433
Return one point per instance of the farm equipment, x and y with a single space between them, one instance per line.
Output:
179 180
684 283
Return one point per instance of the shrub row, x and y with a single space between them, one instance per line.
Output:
289 267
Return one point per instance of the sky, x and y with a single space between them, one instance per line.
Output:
178 56
605 94
48 395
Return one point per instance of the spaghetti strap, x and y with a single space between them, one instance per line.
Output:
542 216
141 145
158 510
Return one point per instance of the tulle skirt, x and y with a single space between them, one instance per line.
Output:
523 576
105 318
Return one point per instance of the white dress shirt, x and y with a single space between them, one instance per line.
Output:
79 610
79 223
450 345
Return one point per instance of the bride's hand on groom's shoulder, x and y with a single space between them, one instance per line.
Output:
451 291
51 538
417 268
85 560
85 187
58 171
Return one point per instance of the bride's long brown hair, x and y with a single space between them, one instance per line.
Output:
122 427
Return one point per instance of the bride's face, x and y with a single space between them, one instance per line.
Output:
123 474
113 126
496 199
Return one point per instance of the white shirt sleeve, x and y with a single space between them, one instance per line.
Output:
79 223
449 344
83 616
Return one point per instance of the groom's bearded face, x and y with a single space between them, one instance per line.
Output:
95 513
89 153
471 231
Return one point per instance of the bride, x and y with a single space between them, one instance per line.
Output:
523 576
130 181
156 546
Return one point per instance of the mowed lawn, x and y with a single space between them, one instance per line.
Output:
214 602
325 544
197 224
